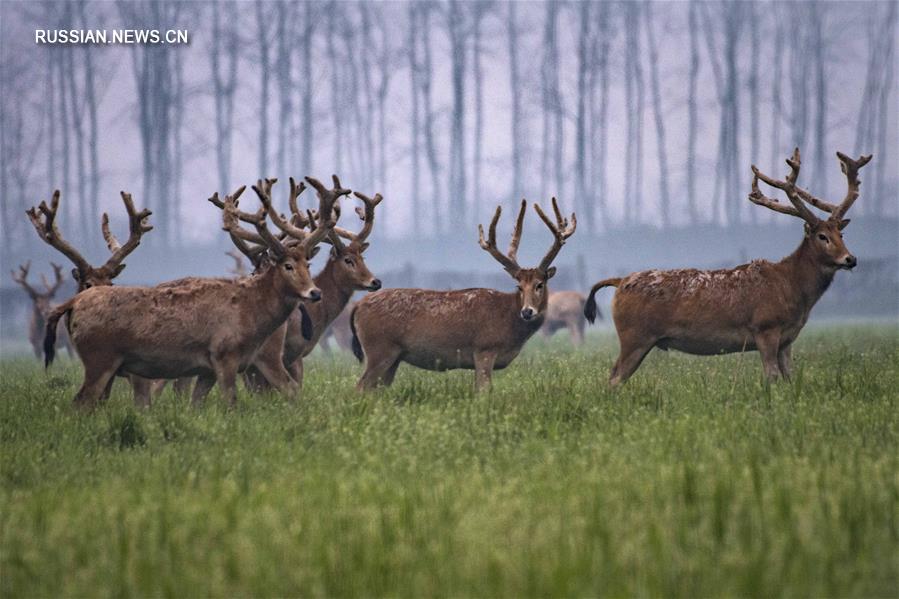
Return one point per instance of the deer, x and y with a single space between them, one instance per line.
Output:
760 306
474 329
205 327
43 218
344 273
565 310
40 305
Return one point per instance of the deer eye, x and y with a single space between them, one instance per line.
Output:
288 266
822 237
539 286
348 261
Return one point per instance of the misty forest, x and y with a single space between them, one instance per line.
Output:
643 118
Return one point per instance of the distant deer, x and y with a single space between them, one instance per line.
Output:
40 306
339 331
565 310
757 306
344 273
480 329
205 327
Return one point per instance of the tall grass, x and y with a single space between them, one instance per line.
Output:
694 479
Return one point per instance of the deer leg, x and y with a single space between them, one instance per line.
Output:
296 371
97 375
205 382
182 385
577 331
483 363
275 373
377 366
141 388
785 360
629 360
226 376
768 343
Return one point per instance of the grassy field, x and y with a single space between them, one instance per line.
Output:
694 479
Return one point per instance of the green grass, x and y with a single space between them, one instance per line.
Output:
694 479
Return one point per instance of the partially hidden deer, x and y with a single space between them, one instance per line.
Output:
41 306
479 329
205 327
761 306
344 273
565 310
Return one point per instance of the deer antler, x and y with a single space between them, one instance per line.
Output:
366 214
241 238
22 279
231 218
57 273
850 169
328 210
561 230
509 261
48 231
238 269
137 226
788 186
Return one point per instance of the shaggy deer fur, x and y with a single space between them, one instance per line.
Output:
757 306
480 329
565 310
210 328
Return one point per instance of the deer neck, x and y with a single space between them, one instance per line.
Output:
271 300
335 296
810 277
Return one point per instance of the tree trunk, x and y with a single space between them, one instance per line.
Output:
516 90
664 198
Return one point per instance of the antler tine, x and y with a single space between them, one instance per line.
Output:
561 230
326 202
788 186
516 233
247 217
263 190
57 275
231 223
49 232
22 279
509 263
368 215
137 226
757 197
850 168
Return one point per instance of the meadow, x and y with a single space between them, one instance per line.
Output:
694 479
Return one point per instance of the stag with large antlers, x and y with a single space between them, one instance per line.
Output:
86 276
757 306
480 329
344 273
205 327
40 305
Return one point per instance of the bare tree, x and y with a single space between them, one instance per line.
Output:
664 197
458 34
224 53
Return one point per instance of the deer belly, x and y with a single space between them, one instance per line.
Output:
160 364
439 360
709 343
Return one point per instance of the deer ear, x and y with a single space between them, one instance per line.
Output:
363 246
311 253
843 223
550 272
333 251
118 270
76 275
808 229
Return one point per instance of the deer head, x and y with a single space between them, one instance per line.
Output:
41 299
43 217
349 266
531 282
823 237
290 252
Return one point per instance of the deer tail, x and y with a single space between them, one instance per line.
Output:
357 346
50 330
590 309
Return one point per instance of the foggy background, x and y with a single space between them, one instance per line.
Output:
643 118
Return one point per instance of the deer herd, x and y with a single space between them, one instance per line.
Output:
203 331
